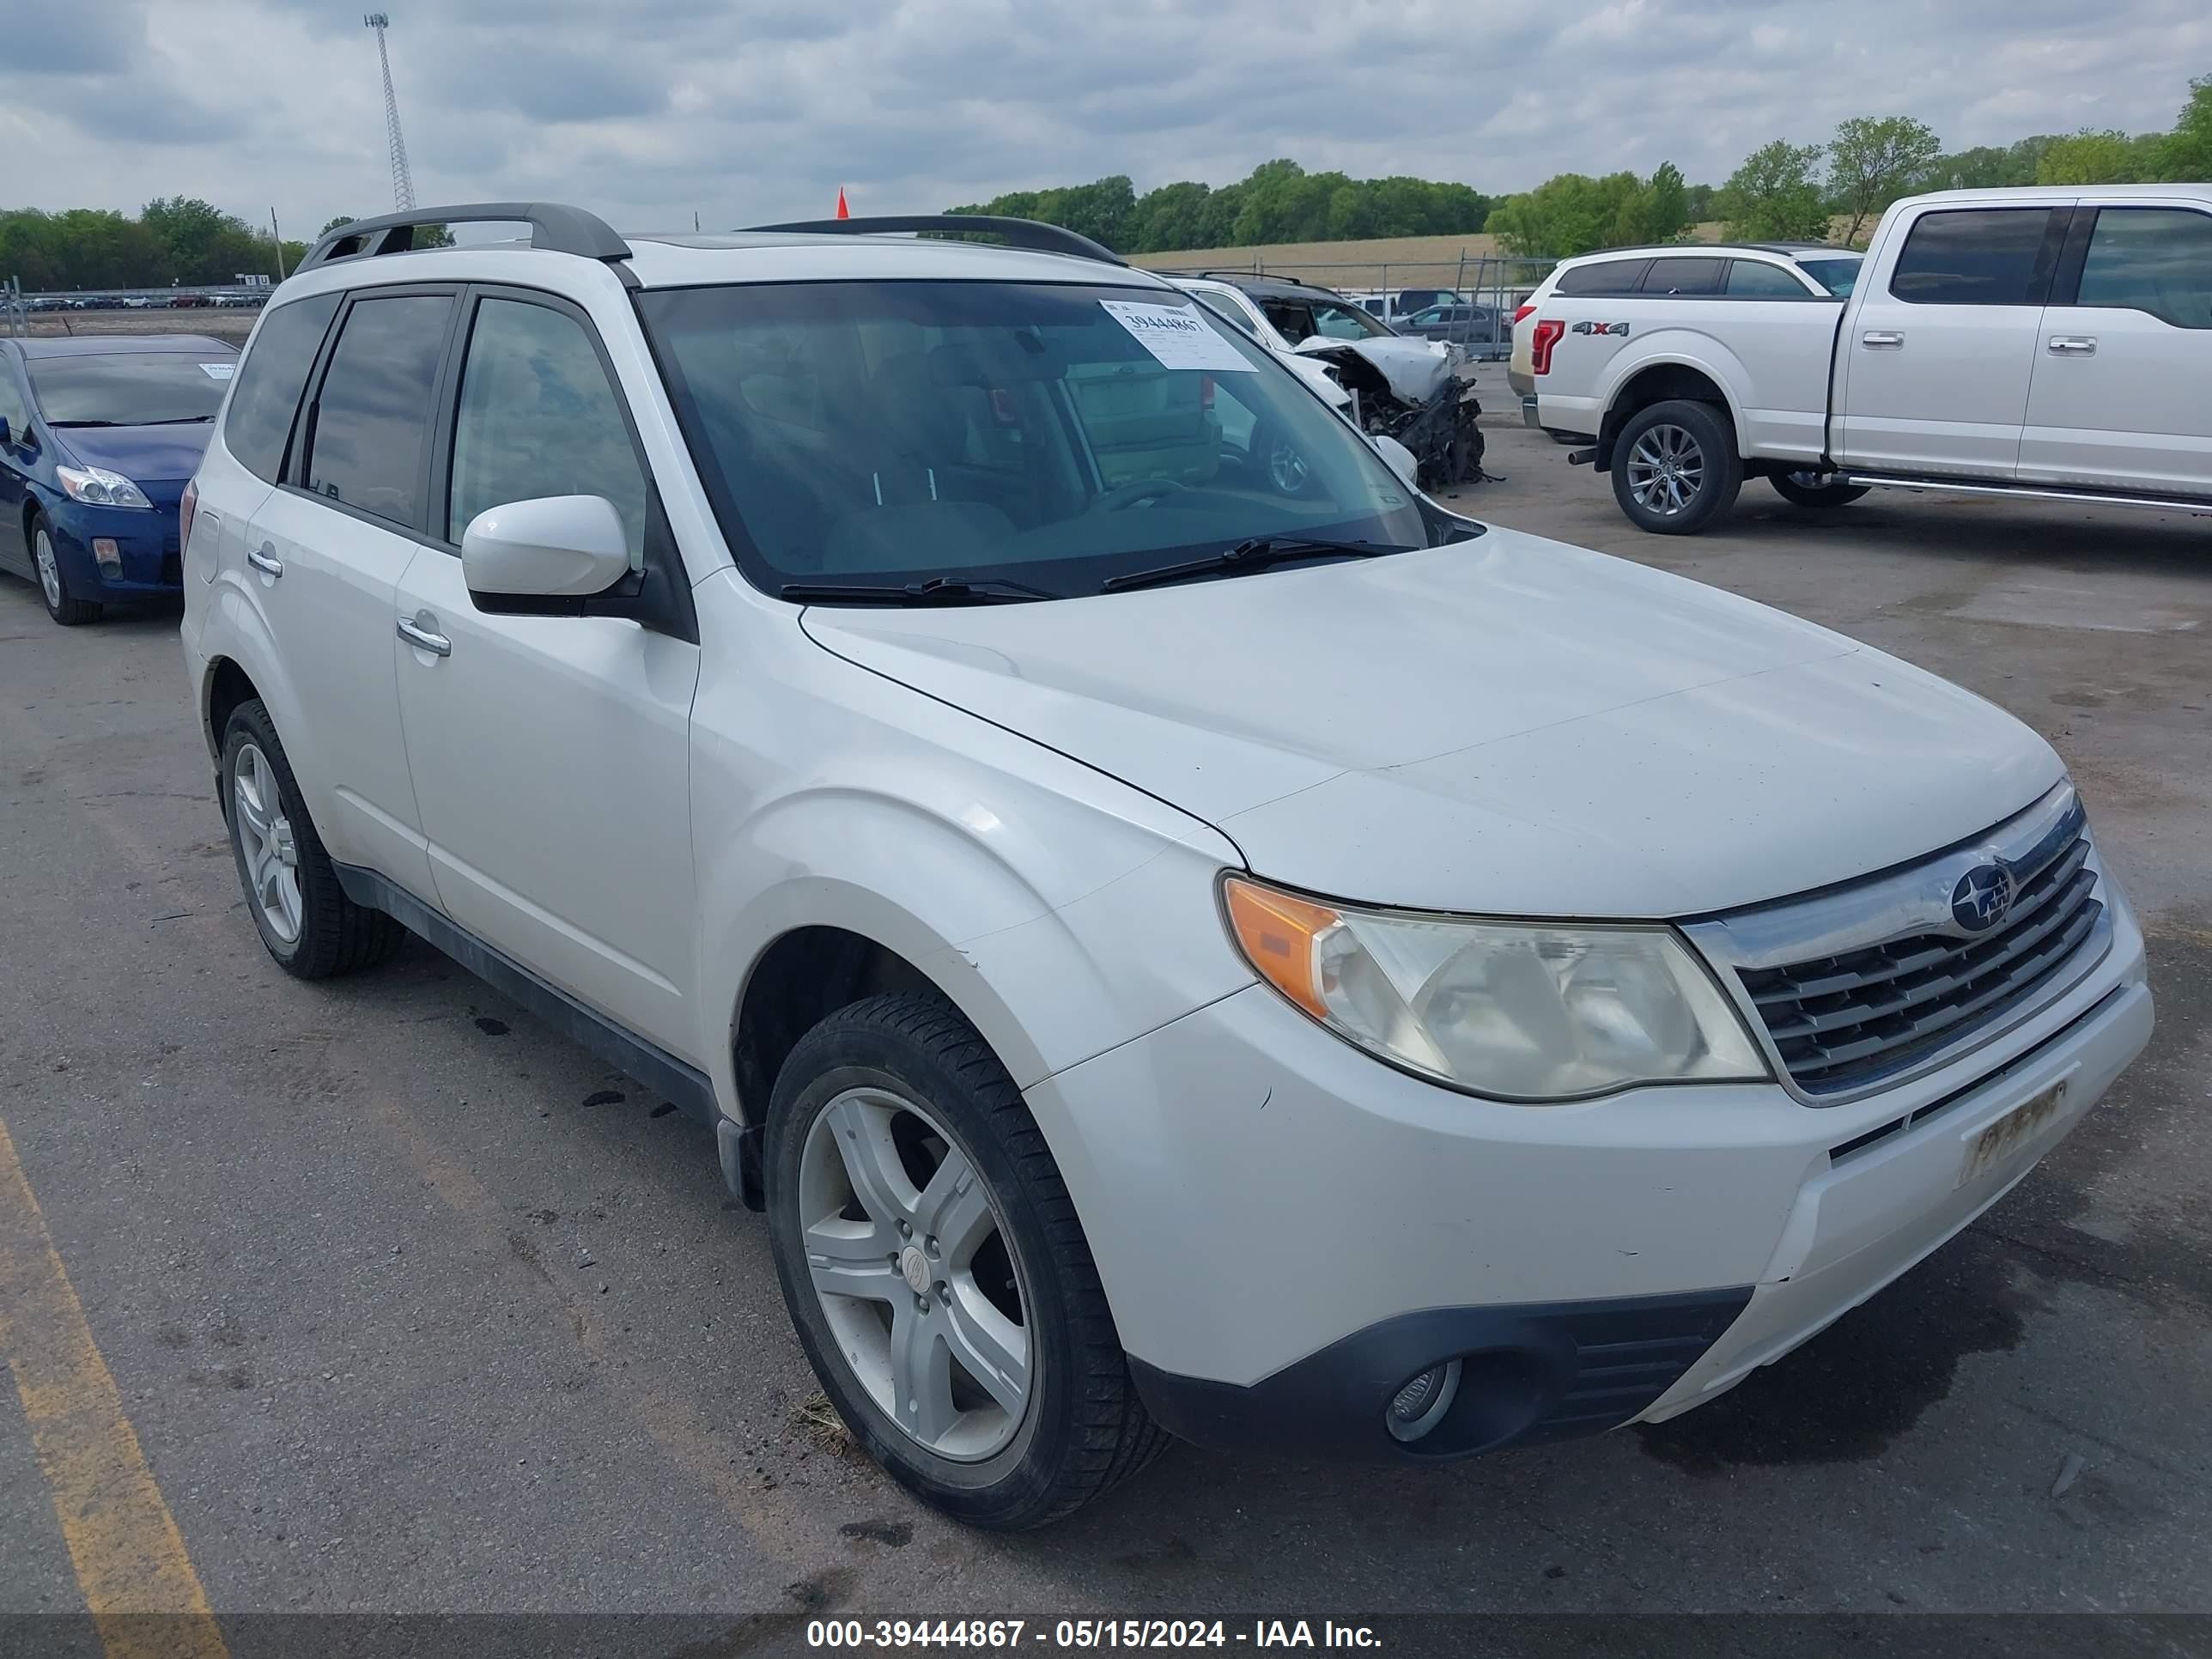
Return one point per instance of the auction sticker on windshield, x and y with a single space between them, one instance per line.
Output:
1176 336
217 371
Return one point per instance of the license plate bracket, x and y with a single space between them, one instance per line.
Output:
1998 1141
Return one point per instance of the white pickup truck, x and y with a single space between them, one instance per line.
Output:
2052 342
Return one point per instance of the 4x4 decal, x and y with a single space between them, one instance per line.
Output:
1599 328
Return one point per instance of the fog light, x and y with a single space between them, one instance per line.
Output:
107 556
1421 1404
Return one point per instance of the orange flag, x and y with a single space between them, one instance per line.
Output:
843 212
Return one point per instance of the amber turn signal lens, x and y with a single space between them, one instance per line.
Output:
1276 932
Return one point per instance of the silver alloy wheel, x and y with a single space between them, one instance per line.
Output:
1666 470
50 574
944 1350
264 836
1286 469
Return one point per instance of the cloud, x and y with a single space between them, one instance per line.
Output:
747 110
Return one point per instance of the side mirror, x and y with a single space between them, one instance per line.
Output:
555 547
1399 458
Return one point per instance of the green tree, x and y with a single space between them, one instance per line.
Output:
2186 156
1873 160
1774 196
1172 217
1569 213
1698 204
1657 210
2091 157
330 225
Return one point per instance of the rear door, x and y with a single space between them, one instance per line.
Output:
551 753
2122 391
1936 362
1780 328
323 558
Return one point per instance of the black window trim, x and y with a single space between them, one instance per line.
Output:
671 609
300 444
295 429
2074 261
2058 226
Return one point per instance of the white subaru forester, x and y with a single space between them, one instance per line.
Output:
1172 953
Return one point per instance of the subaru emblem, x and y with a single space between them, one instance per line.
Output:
1983 896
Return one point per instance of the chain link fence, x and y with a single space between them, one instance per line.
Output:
1466 302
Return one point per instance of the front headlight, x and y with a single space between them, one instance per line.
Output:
1519 1010
96 486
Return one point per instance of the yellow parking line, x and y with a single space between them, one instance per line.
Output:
130 1558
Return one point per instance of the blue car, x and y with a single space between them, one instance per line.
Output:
98 438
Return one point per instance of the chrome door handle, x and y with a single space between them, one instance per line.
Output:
423 631
1882 340
2073 345
264 561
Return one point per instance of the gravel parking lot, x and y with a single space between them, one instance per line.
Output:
413 1306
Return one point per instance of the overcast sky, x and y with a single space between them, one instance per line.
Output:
750 109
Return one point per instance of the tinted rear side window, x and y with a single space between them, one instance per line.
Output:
1683 276
1607 277
373 413
1748 279
270 380
1982 257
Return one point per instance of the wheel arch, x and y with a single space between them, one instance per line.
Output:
1658 379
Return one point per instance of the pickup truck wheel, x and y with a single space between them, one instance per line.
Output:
936 1271
1675 467
1815 490
304 917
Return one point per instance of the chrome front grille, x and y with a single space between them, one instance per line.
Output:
1862 984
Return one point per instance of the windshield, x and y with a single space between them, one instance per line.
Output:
894 432
1837 276
131 388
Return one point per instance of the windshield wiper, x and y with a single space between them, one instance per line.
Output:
179 420
1257 554
936 590
75 423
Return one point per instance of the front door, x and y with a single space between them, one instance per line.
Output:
1934 361
2120 398
551 754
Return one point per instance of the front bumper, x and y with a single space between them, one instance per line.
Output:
148 562
1289 1232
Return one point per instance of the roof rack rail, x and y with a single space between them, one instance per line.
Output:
1018 233
553 225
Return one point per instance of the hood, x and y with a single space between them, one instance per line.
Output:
143 454
1415 369
1507 724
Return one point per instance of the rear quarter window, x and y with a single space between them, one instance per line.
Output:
270 380
1606 277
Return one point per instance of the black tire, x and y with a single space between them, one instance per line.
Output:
61 604
1709 445
1084 1429
1832 493
335 936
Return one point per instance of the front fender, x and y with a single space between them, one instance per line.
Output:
1058 933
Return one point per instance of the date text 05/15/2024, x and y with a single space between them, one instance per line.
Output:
1012 1634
